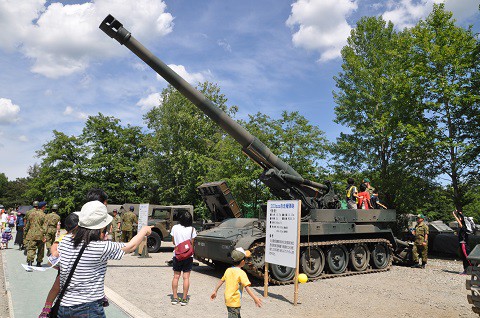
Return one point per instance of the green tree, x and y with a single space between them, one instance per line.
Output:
181 146
61 178
112 154
446 76
376 102
3 187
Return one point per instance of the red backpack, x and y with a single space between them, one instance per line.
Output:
184 250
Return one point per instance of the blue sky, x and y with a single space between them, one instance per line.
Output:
57 67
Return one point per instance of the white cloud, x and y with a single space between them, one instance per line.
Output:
70 111
225 45
407 13
63 39
192 78
8 111
23 138
322 25
152 100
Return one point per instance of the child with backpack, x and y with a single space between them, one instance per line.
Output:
6 236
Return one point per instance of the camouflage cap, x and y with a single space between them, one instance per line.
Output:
239 254
366 180
420 216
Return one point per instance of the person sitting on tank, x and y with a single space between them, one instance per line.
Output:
375 200
352 194
364 202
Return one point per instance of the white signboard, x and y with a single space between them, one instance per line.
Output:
142 216
283 219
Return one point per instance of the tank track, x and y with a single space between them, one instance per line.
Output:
473 285
258 272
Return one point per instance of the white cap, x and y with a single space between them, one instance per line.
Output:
94 216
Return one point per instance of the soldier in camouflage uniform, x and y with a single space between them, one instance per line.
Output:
25 229
35 236
421 242
115 226
128 220
52 227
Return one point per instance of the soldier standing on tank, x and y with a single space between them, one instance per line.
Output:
370 189
35 229
421 242
115 226
128 220
52 227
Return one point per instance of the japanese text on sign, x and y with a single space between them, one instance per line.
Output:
282 237
142 216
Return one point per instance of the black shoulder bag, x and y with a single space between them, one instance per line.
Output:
56 307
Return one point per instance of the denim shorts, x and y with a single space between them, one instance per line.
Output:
93 309
182 266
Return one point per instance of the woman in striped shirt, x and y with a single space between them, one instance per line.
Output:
84 293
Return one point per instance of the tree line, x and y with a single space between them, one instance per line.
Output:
409 100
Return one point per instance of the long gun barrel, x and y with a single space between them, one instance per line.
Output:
252 146
281 178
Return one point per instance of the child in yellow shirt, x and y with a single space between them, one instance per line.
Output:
235 281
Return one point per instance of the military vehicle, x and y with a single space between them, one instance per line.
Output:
333 243
161 217
473 282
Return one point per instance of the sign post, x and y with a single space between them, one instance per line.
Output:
142 249
282 246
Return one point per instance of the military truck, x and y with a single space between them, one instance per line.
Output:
163 218
334 242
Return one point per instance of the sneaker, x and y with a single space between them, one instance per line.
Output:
175 301
416 266
424 265
463 273
184 301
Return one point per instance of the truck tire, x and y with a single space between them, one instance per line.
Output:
154 241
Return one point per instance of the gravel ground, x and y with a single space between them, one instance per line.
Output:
437 291
3 299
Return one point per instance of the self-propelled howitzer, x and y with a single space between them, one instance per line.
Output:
334 242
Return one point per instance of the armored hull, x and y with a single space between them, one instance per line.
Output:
332 243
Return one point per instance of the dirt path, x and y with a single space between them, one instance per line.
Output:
438 291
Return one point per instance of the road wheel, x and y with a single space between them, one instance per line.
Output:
381 256
154 241
282 273
359 257
313 262
337 259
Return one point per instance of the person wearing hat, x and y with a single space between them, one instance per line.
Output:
421 242
236 280
84 296
52 227
370 189
35 234
6 237
114 227
128 220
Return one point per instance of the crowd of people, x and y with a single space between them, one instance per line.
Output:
81 254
